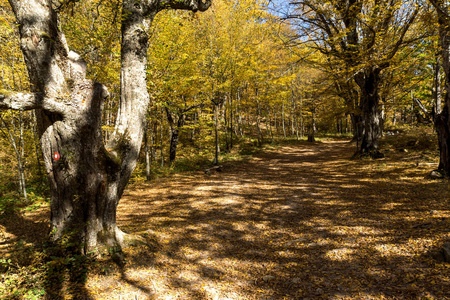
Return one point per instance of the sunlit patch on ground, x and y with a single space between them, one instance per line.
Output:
298 222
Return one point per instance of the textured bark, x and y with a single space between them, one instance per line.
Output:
443 129
216 134
147 151
369 81
442 120
88 179
174 133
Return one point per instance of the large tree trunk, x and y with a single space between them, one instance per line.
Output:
443 129
86 178
442 121
368 81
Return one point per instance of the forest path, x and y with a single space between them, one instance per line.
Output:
299 221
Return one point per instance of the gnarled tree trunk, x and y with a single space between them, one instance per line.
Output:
86 177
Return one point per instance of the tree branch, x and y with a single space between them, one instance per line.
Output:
402 34
194 5
151 7
23 101
18 101
440 8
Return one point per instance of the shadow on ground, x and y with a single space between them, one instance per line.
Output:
299 222
302 221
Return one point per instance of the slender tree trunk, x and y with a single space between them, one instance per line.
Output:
231 121
216 134
302 125
226 123
297 135
258 122
147 151
293 107
270 125
312 132
161 137
283 120
153 142
174 133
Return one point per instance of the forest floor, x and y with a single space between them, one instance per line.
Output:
296 221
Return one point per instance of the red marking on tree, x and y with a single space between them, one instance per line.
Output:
56 156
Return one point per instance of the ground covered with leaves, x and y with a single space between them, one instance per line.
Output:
297 221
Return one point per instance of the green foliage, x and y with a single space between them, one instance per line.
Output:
49 269
9 204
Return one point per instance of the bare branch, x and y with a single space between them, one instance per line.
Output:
194 5
18 101
405 29
440 8
151 7
29 101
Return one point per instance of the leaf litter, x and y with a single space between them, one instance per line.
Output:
301 221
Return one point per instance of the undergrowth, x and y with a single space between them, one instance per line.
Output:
415 140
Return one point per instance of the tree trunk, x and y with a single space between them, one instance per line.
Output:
226 124
173 144
358 127
283 120
437 92
216 134
174 133
312 132
231 121
442 121
368 81
86 178
258 122
161 137
147 151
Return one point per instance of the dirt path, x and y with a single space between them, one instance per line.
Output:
302 221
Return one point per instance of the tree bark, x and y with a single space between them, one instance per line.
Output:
86 178
216 134
368 81
437 92
147 152
442 121
174 133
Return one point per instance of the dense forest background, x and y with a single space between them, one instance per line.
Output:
241 74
